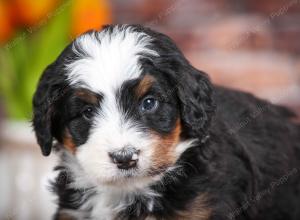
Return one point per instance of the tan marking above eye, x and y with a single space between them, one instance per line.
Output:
144 85
87 95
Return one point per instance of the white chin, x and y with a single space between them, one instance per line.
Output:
127 181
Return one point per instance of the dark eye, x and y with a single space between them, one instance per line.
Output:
87 112
149 104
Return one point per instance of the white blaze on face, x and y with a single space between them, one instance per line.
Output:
106 61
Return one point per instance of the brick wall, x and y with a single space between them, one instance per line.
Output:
253 45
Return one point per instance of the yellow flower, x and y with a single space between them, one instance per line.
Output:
89 14
6 28
30 12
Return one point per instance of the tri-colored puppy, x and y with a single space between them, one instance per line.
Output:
144 135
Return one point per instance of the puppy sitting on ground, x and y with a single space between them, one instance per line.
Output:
144 135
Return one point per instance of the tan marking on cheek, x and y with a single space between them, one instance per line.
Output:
69 143
196 210
144 85
164 149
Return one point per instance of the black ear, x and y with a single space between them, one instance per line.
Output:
195 93
48 91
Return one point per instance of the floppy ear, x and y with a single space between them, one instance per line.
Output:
48 91
196 100
193 87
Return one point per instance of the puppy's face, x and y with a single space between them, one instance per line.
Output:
122 131
115 103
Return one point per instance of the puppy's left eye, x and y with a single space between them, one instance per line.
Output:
149 104
87 112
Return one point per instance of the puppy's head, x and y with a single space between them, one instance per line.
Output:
124 102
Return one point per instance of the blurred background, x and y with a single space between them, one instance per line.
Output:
253 45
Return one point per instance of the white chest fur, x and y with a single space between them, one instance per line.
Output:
106 204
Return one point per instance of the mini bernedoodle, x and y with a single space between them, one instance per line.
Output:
142 134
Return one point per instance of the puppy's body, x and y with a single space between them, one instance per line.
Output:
203 151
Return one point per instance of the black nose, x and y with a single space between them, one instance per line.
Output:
126 158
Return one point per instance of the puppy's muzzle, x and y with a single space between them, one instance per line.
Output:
125 158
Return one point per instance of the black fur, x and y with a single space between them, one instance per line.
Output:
50 90
161 121
247 158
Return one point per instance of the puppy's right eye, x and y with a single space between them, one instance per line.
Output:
149 104
87 113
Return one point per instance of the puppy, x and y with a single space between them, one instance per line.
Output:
142 134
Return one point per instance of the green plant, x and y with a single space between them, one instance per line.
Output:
24 58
